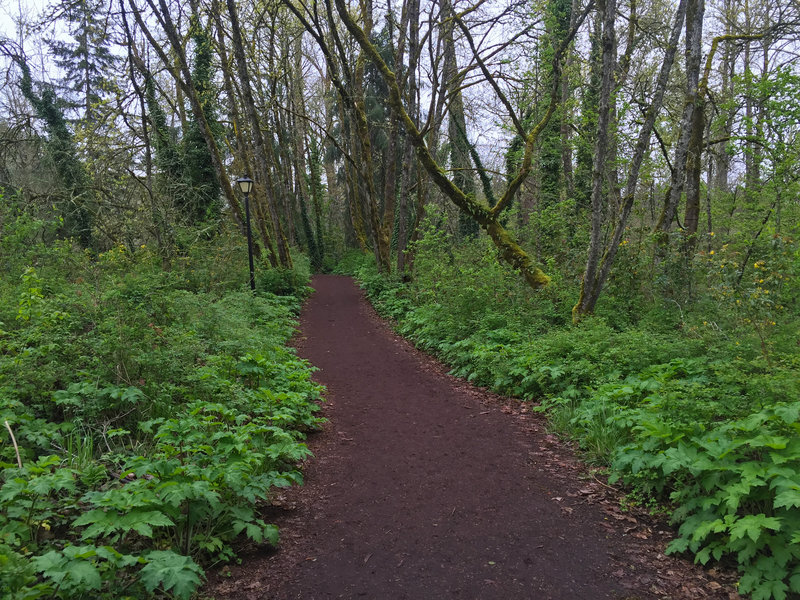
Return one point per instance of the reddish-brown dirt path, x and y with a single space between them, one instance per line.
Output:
423 487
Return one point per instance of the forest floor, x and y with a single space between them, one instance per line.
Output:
424 487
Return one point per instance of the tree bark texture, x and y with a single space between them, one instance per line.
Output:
694 36
591 288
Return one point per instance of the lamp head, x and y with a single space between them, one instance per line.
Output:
245 184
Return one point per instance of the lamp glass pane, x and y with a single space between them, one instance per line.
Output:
245 184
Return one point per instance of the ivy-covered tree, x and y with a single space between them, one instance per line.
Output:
202 198
77 197
557 22
165 148
590 93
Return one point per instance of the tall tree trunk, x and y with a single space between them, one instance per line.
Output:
487 217
243 161
380 246
183 78
591 287
694 168
409 163
298 132
566 116
694 36
457 125
752 158
328 149
261 149
586 141
608 43
306 173
353 187
721 158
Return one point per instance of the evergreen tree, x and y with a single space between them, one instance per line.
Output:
167 155
87 61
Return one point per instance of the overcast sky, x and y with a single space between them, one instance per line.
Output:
9 9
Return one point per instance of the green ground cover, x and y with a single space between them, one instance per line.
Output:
691 400
155 406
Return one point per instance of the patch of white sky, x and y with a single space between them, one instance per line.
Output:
21 22
493 27
13 12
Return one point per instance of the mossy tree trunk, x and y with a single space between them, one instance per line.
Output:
608 43
264 155
597 272
694 36
487 217
409 163
460 164
243 157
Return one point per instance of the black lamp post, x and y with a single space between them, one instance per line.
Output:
245 185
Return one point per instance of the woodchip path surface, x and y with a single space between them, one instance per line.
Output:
423 487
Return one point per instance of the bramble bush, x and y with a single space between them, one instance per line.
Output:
154 411
692 400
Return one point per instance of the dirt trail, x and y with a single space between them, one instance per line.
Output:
426 488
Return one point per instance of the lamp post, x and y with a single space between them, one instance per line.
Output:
245 185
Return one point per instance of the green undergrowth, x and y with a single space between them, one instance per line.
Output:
693 405
155 407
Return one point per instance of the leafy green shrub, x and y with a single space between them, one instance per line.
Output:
287 282
691 400
154 411
735 489
351 262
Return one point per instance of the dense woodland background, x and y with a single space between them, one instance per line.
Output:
591 206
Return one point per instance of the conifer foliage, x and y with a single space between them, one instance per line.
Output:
89 66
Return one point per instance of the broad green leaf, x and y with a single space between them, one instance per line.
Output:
143 522
243 513
51 565
13 489
271 534
89 517
677 545
773 588
255 532
704 529
787 498
85 573
169 571
790 413
794 583
80 552
753 525
775 442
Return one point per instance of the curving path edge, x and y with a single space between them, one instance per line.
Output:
423 487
